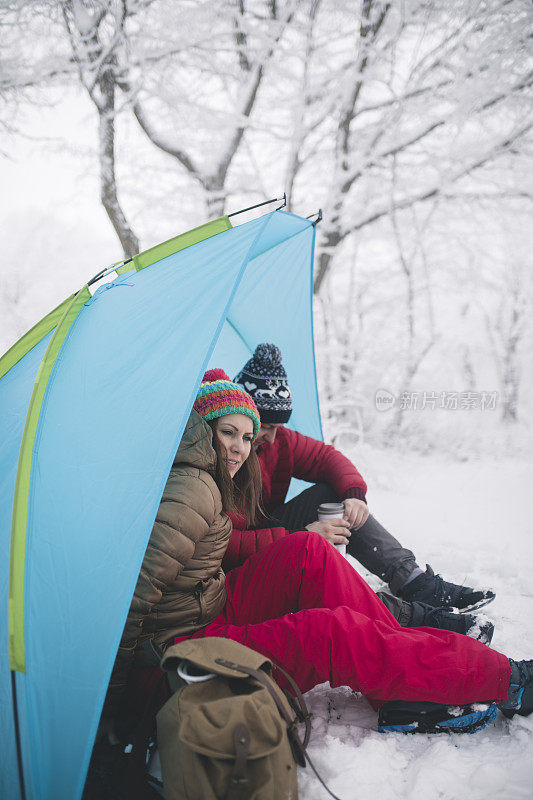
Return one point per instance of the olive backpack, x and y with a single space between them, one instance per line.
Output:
227 731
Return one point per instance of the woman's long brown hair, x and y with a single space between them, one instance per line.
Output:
241 494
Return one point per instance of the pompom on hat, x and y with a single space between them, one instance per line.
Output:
265 380
218 396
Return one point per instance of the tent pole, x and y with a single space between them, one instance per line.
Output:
108 270
17 736
113 267
265 203
318 215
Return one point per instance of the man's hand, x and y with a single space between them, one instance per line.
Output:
355 513
334 531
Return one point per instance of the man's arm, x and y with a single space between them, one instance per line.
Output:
316 462
244 543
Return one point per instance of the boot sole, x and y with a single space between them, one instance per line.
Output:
469 722
455 609
475 606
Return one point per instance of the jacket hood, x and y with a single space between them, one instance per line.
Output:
196 446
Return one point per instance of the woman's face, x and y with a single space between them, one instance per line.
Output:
235 432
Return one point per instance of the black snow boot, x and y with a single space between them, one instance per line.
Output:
477 627
520 700
432 589
409 716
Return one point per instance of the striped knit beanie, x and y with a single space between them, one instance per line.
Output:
218 396
265 379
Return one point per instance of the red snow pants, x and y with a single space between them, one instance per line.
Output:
302 605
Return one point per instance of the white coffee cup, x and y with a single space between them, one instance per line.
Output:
327 511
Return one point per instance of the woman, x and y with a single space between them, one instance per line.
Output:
297 601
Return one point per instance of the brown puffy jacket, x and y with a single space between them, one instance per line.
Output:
181 586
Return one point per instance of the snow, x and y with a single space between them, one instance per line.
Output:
472 522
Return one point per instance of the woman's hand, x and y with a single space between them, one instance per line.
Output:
355 513
334 531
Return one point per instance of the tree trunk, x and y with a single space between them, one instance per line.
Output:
215 197
412 360
330 241
511 369
108 185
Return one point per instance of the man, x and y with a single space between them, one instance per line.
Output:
284 454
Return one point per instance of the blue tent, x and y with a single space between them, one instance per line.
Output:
93 403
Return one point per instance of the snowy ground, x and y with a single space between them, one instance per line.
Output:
473 523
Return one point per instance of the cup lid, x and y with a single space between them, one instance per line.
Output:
330 508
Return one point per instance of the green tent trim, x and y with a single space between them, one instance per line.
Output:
177 243
33 337
17 657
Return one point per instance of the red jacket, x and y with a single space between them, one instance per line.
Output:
292 455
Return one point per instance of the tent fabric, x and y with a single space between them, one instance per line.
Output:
180 242
174 245
113 411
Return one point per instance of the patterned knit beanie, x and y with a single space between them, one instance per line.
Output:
218 396
265 380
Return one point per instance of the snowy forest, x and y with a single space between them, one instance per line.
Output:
408 124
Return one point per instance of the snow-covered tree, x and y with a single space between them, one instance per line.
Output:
197 104
408 123
420 97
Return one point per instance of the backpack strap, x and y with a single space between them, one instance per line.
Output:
299 749
259 675
298 705
241 740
